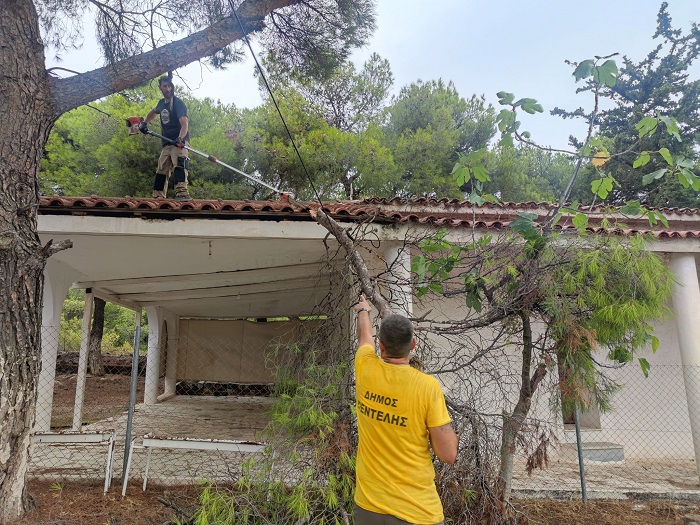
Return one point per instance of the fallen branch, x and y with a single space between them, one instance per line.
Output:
369 291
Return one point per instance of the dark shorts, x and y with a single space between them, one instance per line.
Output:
365 517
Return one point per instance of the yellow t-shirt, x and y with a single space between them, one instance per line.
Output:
395 406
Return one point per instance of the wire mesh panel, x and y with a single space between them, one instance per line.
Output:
650 416
643 444
70 398
209 380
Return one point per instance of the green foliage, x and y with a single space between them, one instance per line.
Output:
351 143
618 288
441 258
525 225
345 165
334 124
349 100
119 326
526 173
615 291
603 186
604 74
507 121
89 151
317 482
429 126
470 174
653 121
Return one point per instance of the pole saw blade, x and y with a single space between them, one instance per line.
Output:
133 124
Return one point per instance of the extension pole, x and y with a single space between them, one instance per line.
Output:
217 161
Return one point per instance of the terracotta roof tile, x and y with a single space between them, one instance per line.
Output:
683 222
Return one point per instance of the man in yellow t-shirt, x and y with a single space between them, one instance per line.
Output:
401 414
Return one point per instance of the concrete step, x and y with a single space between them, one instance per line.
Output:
592 451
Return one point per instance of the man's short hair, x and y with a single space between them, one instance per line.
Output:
396 334
165 80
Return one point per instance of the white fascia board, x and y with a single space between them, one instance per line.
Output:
209 228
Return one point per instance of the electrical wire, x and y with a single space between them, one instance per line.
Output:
272 96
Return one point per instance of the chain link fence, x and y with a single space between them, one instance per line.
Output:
213 386
210 388
643 444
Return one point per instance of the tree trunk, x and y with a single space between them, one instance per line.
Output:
95 365
25 115
30 102
512 423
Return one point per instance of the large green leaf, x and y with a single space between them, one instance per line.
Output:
525 225
655 343
505 98
505 119
475 198
633 208
646 126
580 220
461 174
606 74
645 366
418 266
602 187
654 175
583 70
671 127
666 155
642 160
480 173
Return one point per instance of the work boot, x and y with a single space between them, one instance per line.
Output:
181 193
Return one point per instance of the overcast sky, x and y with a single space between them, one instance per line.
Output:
482 46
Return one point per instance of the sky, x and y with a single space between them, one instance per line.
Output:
483 47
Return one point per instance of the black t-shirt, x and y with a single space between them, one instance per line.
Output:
170 114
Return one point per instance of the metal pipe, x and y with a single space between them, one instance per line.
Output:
579 448
132 392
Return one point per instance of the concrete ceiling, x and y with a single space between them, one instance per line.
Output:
202 268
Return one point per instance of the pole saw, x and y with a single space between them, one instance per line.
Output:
134 125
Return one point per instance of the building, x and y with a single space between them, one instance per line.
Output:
201 268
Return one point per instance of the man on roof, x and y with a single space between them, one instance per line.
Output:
173 157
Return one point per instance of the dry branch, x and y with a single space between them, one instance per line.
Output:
370 292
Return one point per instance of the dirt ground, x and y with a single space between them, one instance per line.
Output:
79 503
74 503
104 397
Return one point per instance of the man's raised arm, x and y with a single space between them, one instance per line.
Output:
364 325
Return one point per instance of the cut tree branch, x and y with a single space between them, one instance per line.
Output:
370 292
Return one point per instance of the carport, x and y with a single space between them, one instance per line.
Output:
201 267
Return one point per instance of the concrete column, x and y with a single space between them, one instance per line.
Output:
686 306
155 319
171 323
57 281
82 361
398 260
